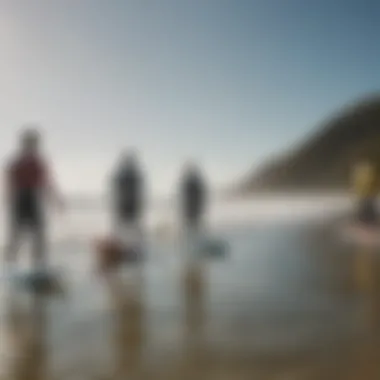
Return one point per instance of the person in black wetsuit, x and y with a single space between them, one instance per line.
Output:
28 181
193 197
127 189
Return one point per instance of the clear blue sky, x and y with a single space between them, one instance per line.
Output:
227 82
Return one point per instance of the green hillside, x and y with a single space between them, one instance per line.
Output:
324 160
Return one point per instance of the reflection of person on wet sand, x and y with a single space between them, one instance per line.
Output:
128 327
29 340
367 270
194 288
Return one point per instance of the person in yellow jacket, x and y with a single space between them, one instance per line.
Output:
365 183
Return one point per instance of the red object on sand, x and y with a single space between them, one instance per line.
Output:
110 253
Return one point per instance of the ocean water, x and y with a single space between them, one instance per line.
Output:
72 235
87 222
81 225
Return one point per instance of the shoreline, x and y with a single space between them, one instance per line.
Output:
280 297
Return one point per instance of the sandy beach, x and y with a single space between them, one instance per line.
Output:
290 301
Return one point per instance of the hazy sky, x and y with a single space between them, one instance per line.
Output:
225 81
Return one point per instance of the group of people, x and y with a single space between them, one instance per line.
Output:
127 187
29 187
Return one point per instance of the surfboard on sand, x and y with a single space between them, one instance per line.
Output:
361 233
207 246
41 281
213 247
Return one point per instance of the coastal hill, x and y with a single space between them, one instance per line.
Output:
324 160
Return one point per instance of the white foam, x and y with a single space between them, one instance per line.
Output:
82 224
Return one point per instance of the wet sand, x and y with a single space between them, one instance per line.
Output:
289 303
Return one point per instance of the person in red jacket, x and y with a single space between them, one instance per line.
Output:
28 181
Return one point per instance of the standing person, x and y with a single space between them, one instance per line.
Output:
28 181
365 186
127 189
193 196
127 206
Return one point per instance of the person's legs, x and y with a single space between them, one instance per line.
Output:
13 242
119 225
15 227
193 219
127 220
39 248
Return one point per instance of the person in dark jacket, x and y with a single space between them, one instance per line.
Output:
193 196
127 189
28 181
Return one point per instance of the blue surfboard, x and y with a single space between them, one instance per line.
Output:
36 281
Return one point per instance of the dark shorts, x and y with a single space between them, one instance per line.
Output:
128 212
26 210
193 214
